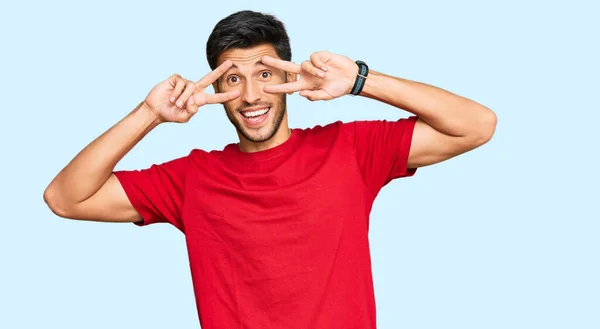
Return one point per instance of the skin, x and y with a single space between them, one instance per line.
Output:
86 189
249 76
448 124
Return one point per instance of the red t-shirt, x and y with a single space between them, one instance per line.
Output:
279 238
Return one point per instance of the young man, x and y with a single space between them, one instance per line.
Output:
276 226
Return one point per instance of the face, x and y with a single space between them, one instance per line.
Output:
258 116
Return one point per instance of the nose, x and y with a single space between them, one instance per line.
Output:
252 92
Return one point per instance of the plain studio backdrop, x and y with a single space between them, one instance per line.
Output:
503 237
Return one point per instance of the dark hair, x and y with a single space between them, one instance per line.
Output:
245 29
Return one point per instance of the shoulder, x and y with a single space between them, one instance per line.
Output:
322 134
216 157
331 129
200 155
341 129
381 127
350 131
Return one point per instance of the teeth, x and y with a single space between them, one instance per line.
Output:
255 113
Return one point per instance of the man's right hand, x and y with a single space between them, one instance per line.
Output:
177 99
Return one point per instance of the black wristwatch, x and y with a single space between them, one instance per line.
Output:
361 78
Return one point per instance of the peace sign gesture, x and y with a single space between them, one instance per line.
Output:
177 99
325 76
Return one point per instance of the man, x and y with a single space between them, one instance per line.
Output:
276 225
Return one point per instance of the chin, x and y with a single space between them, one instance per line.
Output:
258 122
259 129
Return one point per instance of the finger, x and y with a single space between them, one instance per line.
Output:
192 108
308 66
315 95
222 97
190 87
289 87
179 85
320 59
282 65
208 79
184 116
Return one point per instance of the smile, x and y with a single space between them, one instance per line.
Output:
255 116
255 113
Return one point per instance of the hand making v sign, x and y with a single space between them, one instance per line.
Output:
324 77
177 99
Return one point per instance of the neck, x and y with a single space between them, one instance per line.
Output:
282 135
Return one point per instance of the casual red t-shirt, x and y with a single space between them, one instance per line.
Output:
279 238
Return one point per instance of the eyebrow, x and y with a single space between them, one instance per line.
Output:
259 62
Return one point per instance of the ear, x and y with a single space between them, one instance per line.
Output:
215 86
291 77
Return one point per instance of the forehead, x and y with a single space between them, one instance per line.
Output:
247 56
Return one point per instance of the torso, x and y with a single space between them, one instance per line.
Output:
279 239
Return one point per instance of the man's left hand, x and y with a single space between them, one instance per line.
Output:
325 76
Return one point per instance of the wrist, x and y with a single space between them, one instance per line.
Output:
361 75
148 114
371 85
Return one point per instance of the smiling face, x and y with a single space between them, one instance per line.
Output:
259 118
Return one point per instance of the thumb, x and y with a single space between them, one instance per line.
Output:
192 109
320 59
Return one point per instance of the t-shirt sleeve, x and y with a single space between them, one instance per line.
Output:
381 148
157 193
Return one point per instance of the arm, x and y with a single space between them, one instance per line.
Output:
448 124
87 188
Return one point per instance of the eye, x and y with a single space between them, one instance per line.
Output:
233 79
265 75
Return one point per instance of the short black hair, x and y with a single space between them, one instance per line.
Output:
245 29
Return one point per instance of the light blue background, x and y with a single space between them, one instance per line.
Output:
503 237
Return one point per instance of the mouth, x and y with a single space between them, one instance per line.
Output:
255 116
